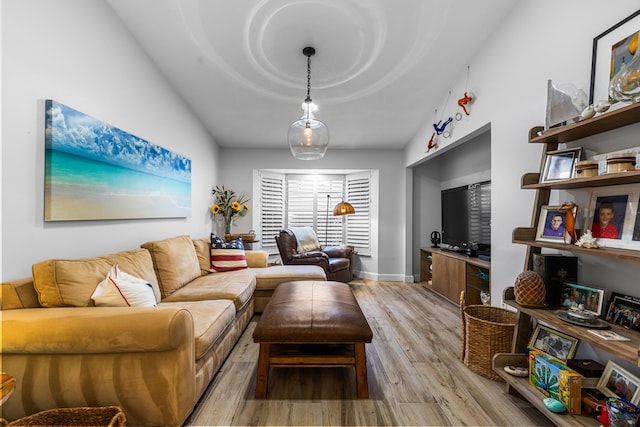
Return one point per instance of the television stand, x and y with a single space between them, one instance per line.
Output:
448 273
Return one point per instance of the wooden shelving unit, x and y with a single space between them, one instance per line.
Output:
626 350
605 122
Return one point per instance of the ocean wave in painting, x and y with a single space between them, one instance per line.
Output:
76 133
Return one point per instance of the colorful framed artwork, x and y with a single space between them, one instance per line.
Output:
618 382
554 343
94 171
560 164
551 224
610 51
612 216
575 295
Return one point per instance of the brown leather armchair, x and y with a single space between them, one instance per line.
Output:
337 261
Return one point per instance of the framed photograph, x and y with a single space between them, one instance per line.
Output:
624 310
610 50
612 216
575 295
560 164
554 343
551 224
618 382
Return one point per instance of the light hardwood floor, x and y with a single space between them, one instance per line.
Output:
415 376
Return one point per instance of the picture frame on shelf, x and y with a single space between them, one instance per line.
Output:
624 310
606 57
554 343
574 295
560 165
612 216
551 224
618 382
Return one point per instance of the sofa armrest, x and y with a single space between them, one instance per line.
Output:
257 259
72 330
338 251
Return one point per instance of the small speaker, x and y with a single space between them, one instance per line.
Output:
554 270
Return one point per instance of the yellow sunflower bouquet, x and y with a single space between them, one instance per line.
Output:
227 204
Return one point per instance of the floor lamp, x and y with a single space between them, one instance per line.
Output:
342 208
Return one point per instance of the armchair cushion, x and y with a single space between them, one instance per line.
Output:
306 238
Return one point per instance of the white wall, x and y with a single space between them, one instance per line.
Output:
539 41
389 235
77 52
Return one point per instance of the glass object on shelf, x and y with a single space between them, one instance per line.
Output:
621 412
485 297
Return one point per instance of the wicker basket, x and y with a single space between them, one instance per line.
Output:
110 416
486 331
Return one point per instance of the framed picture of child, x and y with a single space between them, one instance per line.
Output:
551 224
612 216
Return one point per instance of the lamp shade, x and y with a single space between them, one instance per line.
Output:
308 138
343 208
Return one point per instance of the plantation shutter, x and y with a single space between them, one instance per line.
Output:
479 212
300 202
358 228
272 208
330 229
308 205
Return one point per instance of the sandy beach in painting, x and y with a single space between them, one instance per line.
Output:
84 189
72 203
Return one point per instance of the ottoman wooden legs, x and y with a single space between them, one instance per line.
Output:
297 355
263 371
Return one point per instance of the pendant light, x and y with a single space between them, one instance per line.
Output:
308 137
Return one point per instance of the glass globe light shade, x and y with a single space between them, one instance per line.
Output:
308 138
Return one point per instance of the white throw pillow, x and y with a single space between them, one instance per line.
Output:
120 289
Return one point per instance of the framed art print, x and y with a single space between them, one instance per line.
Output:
612 216
554 343
624 310
551 224
618 382
608 54
575 295
560 164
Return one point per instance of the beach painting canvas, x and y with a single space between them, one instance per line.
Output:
94 171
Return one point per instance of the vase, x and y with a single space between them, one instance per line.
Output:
625 85
228 227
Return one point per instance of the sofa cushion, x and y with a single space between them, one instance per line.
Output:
210 321
237 286
270 277
120 289
174 261
18 294
227 256
61 283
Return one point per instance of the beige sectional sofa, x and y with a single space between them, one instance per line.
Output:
153 362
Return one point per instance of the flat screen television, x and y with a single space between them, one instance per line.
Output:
466 217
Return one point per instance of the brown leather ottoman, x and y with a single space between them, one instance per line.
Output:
312 324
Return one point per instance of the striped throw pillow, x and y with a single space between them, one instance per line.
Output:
227 256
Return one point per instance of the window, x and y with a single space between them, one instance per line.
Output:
296 200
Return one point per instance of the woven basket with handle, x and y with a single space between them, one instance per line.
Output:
100 416
486 331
